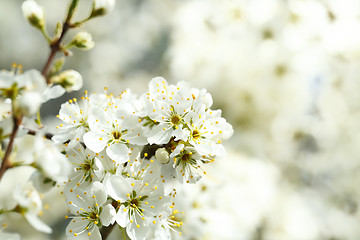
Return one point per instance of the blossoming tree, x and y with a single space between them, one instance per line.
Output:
119 158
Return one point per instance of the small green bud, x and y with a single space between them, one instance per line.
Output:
71 80
102 7
58 30
34 13
57 66
162 155
82 40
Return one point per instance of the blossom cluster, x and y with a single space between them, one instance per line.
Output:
130 154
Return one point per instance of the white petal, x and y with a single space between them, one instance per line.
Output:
107 215
95 234
37 223
76 203
203 148
53 92
177 150
136 136
122 217
136 233
78 226
98 189
118 187
159 134
97 120
95 142
32 80
158 83
218 150
118 152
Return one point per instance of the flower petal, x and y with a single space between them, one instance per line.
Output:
118 152
107 215
37 223
95 142
159 134
98 190
118 187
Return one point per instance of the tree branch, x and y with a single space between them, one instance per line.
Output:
5 164
55 47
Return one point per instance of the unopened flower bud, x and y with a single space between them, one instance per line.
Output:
83 40
71 80
102 7
34 13
162 155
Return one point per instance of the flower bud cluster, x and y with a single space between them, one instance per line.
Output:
21 95
28 90
130 153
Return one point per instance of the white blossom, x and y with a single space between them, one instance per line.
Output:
140 202
87 167
114 132
90 210
167 107
29 200
74 116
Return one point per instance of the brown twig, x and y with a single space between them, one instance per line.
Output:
5 164
55 47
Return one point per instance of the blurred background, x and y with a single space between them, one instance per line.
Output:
285 74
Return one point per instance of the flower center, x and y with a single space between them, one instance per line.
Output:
116 135
196 134
87 166
134 202
175 120
93 216
186 157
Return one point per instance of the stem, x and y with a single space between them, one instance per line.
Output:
55 47
71 10
43 31
105 231
38 119
5 164
123 233
3 211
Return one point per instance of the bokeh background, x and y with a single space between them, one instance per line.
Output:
284 72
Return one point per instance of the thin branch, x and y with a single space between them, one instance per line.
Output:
5 164
55 47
